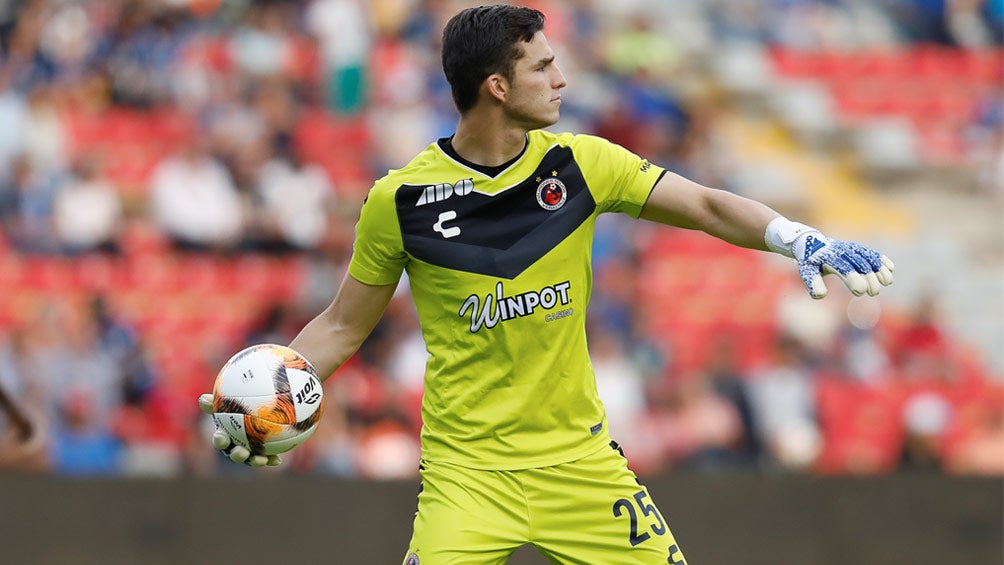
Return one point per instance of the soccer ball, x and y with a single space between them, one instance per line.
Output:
268 398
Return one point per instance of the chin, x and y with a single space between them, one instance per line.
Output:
535 120
545 122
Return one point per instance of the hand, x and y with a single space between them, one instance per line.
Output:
862 270
236 453
20 453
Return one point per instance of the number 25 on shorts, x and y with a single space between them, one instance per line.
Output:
631 507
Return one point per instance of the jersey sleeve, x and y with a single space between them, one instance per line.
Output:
619 180
378 255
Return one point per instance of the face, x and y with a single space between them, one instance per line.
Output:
534 96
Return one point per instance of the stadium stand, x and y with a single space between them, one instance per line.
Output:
783 104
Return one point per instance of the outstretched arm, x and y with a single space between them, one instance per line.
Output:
680 202
326 342
677 201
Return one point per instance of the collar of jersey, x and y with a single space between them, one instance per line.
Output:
472 167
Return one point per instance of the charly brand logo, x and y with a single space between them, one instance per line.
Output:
441 228
499 307
551 193
442 191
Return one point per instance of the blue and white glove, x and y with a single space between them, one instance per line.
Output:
861 269
236 453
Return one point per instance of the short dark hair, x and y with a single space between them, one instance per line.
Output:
478 42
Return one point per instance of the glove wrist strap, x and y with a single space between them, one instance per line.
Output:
783 236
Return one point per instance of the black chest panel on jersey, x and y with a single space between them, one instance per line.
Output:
495 235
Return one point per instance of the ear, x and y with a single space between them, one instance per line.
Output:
497 87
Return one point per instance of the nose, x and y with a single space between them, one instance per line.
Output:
558 80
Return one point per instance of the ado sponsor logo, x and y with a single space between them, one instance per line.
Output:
443 191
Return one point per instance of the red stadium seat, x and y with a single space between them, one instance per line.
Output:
215 51
304 62
942 145
795 63
861 425
338 144
984 66
936 61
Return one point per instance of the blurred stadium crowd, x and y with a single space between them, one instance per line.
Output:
181 178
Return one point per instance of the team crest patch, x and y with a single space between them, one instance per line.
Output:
551 194
412 559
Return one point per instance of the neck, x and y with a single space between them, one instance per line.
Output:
486 141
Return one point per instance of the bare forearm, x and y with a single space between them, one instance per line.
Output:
331 338
737 220
677 201
325 346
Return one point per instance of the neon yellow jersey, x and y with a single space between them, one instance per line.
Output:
500 271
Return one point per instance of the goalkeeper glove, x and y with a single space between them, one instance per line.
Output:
236 453
861 269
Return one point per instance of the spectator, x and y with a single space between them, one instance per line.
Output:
13 121
45 138
26 208
87 380
967 24
23 426
730 383
88 213
859 349
387 449
993 12
343 32
261 45
981 451
701 426
619 381
193 199
927 416
140 52
28 66
80 444
333 446
99 377
783 402
296 203
22 442
920 351
119 341
278 325
921 21
405 365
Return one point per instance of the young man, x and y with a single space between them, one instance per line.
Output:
494 227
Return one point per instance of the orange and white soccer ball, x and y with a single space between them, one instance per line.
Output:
268 398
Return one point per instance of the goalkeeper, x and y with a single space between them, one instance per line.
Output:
494 227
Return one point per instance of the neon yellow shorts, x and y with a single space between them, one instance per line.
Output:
590 511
